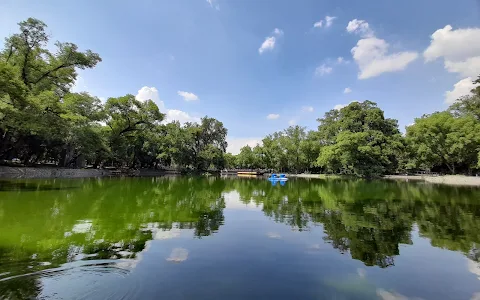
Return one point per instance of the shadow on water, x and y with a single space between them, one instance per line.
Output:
11 186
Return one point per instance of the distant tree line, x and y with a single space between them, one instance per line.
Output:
43 121
358 140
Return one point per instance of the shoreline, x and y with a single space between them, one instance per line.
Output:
457 180
53 172
7 172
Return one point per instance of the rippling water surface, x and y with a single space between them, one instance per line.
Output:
213 238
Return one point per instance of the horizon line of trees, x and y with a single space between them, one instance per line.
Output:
358 140
43 121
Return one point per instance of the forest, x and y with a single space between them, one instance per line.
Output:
42 121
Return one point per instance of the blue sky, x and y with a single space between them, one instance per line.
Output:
211 51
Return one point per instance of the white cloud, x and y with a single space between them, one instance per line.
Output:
323 70
270 41
329 21
459 48
235 144
469 67
292 122
103 99
371 56
273 116
151 93
181 116
339 106
461 88
453 45
347 90
318 24
360 27
307 108
267 45
187 96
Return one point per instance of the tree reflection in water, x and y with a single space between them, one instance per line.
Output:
114 218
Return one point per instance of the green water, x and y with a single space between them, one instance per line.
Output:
213 238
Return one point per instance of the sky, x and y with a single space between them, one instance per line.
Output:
260 66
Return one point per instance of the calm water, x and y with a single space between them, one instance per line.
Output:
212 238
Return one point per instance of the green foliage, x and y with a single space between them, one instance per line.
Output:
442 139
359 141
42 121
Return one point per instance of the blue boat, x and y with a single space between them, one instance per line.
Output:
279 177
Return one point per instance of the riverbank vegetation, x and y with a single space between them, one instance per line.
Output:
43 121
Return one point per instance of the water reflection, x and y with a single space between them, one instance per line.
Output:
115 220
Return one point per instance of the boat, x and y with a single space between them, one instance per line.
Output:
279 177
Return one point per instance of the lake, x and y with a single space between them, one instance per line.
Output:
232 238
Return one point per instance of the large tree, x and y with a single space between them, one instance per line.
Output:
440 139
358 140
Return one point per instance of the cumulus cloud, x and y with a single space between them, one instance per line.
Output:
461 88
181 116
187 96
292 122
328 21
307 108
460 50
360 27
323 69
450 45
347 90
273 116
235 144
151 93
468 67
339 106
371 55
270 41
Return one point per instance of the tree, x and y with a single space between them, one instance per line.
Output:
358 140
230 161
310 147
33 85
440 139
128 119
40 69
469 104
246 158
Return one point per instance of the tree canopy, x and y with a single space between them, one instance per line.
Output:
43 121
